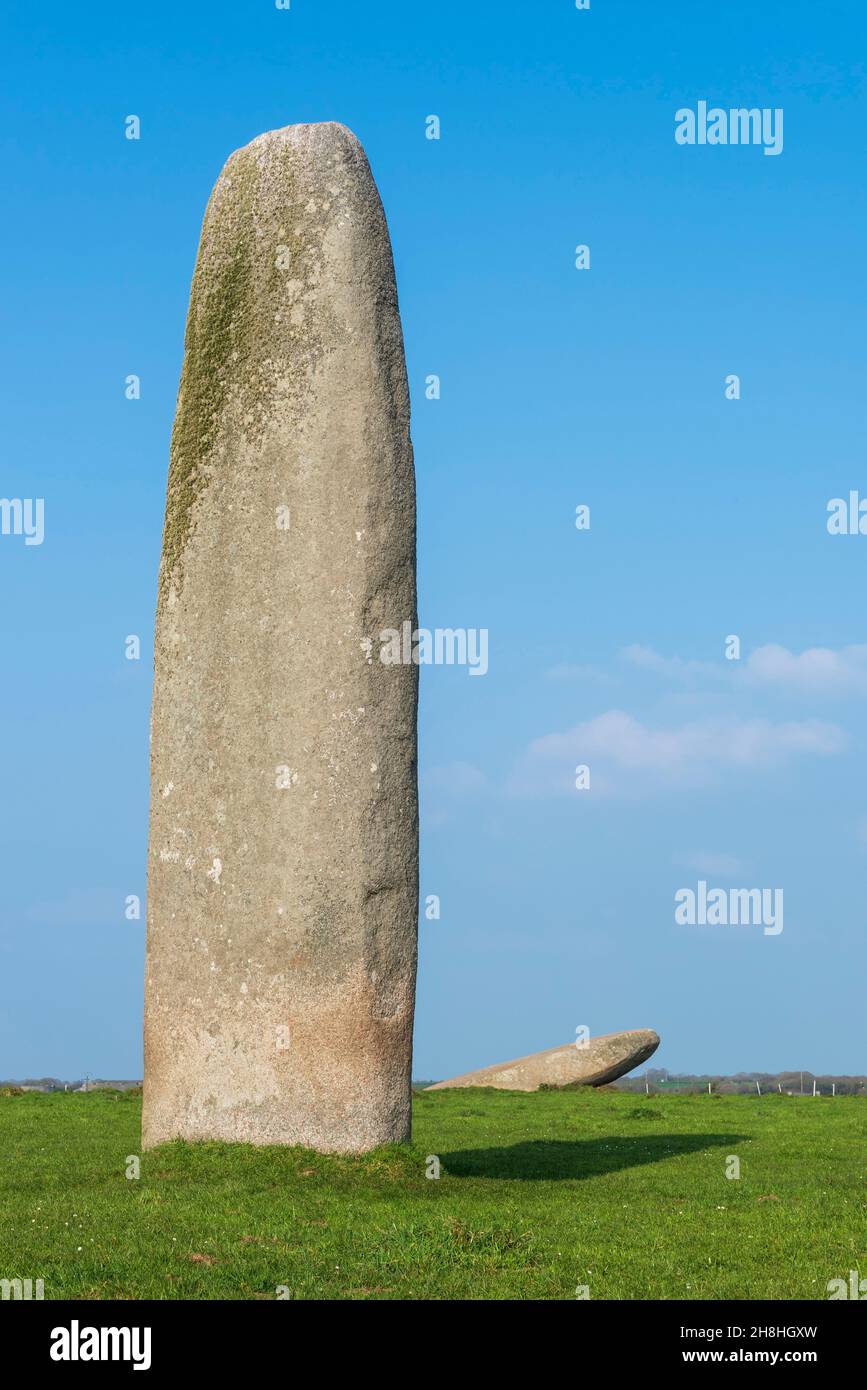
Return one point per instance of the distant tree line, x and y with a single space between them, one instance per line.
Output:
744 1083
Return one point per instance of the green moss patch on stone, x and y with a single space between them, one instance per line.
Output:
218 329
233 350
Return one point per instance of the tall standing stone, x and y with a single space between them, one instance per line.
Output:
283 857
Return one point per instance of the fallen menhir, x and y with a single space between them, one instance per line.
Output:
596 1063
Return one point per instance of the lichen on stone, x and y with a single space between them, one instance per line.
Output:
244 344
256 332
218 329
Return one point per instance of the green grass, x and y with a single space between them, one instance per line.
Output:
538 1194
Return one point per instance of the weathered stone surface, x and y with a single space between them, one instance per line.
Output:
283 858
602 1060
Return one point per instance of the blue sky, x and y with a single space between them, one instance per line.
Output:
559 387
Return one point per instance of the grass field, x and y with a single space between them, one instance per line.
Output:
538 1194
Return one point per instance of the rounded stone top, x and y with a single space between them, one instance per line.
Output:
314 137
294 264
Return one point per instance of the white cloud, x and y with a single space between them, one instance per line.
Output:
674 666
816 671
625 755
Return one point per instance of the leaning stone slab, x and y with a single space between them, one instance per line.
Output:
283 858
603 1059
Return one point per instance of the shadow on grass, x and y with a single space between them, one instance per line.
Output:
554 1159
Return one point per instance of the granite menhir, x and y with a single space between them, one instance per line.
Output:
283 856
